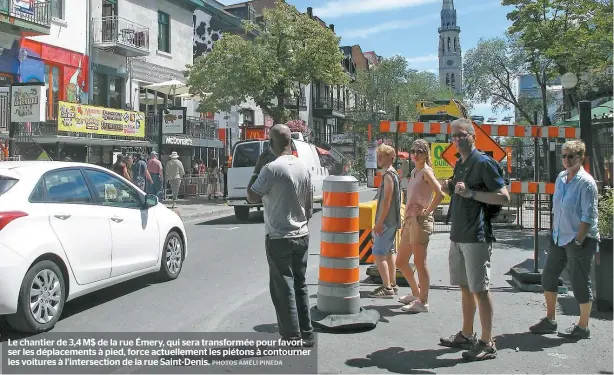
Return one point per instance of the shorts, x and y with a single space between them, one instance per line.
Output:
417 230
470 265
579 262
385 242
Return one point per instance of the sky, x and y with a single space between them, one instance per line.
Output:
409 28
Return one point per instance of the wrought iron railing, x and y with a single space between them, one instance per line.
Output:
195 127
290 102
39 12
329 103
120 31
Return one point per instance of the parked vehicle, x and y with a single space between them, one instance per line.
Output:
244 157
69 229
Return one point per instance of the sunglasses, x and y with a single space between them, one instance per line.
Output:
419 152
460 135
568 156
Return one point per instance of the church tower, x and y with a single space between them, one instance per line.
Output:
450 60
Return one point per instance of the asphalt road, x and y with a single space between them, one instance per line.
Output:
223 287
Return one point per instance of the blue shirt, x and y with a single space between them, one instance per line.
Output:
480 173
574 202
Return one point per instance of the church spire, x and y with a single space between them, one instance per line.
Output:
448 16
450 57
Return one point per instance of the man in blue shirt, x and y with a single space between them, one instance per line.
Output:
575 237
476 182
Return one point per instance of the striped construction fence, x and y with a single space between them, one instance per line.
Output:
529 187
338 298
497 130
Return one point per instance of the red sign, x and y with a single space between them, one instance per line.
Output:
508 150
483 142
255 133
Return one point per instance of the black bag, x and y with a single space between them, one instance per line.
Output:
490 210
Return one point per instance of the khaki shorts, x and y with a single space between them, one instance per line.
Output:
470 265
417 230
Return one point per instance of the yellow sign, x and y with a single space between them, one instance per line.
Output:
81 118
442 169
43 156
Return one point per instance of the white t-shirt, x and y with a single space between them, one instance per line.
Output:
284 185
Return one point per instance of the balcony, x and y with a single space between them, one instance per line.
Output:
328 107
196 128
290 103
34 18
127 38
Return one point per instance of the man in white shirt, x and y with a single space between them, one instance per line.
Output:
284 187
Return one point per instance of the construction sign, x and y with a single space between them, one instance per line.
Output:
483 142
442 169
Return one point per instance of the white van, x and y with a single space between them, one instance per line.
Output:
244 157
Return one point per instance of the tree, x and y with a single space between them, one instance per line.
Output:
384 87
490 70
575 35
290 47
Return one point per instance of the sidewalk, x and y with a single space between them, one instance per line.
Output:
202 207
192 208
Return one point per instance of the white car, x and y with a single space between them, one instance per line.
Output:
68 229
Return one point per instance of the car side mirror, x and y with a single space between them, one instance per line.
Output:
150 200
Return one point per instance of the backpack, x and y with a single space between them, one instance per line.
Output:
490 210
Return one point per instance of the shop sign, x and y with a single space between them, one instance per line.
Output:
28 102
24 7
81 118
180 141
153 73
173 121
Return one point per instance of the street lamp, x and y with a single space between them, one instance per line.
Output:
568 81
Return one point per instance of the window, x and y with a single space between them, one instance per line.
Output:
100 92
57 9
113 192
164 36
116 86
62 186
6 183
52 87
246 155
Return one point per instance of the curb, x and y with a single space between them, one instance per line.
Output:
205 215
227 211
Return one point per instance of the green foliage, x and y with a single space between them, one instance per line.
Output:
575 34
489 73
606 211
289 48
385 86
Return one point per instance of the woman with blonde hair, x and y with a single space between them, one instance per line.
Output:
418 227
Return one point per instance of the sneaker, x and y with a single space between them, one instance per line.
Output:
395 288
481 351
544 326
415 307
382 292
309 340
459 341
576 333
409 298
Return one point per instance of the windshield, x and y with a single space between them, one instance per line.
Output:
6 183
246 155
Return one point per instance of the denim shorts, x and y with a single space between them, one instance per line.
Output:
385 242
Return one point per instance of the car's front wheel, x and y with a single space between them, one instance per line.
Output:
41 299
172 257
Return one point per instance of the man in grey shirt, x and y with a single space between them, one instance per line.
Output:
284 186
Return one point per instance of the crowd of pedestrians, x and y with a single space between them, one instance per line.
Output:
151 176
478 192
